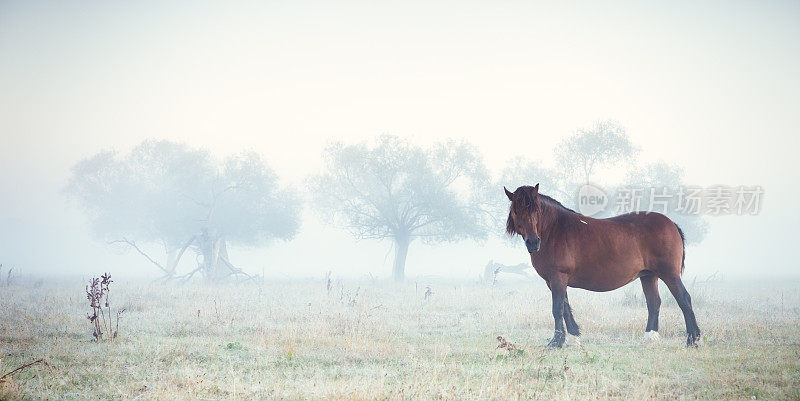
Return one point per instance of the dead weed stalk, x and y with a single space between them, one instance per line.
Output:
98 293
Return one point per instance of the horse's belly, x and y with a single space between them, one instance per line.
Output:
599 281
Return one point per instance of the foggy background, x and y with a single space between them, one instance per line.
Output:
712 88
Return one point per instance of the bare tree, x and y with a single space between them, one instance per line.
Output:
183 199
604 144
581 155
398 191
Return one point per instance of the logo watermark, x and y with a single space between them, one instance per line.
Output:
591 200
715 200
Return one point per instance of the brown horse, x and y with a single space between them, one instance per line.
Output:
569 249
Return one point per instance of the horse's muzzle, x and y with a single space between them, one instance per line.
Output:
533 244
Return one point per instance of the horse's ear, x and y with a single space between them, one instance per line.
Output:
509 194
534 196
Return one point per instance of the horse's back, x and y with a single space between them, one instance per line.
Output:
639 218
659 239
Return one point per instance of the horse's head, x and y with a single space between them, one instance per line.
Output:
524 214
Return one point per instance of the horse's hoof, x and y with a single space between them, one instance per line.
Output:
651 337
557 341
574 341
691 340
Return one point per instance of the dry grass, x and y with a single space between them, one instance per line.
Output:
364 340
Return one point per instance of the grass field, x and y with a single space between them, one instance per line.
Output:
375 340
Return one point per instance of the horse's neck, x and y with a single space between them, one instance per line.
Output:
555 220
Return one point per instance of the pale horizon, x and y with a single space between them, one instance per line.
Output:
712 88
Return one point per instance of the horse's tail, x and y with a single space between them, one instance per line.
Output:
683 246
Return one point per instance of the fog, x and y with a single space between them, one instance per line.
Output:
711 88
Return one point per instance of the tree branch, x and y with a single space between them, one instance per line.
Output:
189 275
183 250
234 269
42 361
141 252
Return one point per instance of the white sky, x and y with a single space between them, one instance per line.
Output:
713 87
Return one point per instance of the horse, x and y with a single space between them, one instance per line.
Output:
568 249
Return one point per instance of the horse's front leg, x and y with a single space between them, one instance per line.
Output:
559 292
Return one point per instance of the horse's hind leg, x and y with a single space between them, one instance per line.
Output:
685 302
650 288
569 319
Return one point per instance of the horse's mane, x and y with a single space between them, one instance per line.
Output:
553 202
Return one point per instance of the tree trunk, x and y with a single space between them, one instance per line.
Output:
207 250
401 250
211 247
217 270
172 260
221 268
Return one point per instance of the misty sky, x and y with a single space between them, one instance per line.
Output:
712 87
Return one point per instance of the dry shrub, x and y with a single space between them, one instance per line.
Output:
98 292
